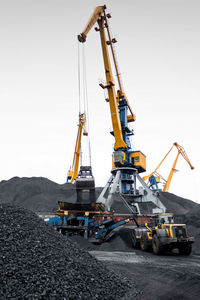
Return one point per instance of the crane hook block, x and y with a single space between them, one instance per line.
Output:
82 37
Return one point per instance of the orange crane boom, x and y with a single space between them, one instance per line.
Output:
73 171
181 151
100 16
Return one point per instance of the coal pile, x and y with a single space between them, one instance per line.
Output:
38 194
181 206
119 242
42 195
39 263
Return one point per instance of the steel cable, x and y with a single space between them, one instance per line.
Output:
86 111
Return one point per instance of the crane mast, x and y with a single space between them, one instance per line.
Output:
120 110
99 16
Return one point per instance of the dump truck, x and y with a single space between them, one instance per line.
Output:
162 235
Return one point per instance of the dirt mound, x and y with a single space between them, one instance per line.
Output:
42 195
184 210
39 263
119 242
179 205
37 193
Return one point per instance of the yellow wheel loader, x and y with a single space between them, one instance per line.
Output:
162 235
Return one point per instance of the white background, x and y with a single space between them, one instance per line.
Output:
158 53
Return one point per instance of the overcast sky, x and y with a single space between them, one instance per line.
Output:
158 54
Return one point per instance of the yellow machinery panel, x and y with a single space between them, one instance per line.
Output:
157 179
113 164
138 159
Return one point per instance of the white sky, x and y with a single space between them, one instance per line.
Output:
158 54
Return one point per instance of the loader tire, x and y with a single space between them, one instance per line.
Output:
144 244
134 241
157 245
185 249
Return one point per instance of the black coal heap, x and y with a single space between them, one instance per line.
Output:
39 263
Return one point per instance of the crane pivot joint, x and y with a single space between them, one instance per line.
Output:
106 86
82 37
112 41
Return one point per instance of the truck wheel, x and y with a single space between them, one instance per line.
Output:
134 241
144 244
156 245
185 249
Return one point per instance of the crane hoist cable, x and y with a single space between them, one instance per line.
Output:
82 130
154 177
86 110
79 81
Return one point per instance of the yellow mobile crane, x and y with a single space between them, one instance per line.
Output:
155 177
120 110
73 171
98 221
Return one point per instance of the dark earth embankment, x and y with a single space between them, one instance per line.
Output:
38 194
42 195
39 263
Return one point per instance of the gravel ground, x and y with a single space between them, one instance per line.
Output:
166 277
39 263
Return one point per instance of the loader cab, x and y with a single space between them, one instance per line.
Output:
160 219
